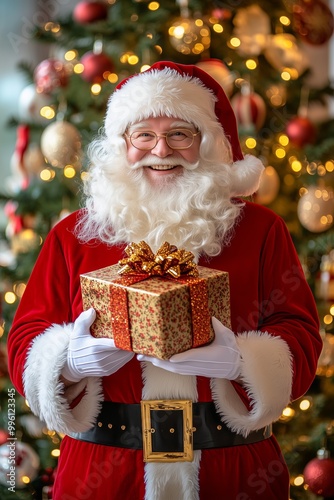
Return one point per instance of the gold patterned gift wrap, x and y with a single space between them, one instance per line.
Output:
156 314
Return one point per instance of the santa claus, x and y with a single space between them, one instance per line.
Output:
168 167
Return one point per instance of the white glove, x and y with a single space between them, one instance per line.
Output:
220 359
88 356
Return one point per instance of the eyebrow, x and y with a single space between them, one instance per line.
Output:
144 125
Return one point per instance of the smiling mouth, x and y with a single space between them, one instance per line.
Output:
162 167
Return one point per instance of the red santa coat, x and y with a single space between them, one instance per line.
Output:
274 315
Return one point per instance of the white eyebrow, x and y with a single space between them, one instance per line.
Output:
145 125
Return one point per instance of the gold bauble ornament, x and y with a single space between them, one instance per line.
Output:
189 36
316 209
61 144
269 186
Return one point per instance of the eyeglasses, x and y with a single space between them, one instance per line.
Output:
180 138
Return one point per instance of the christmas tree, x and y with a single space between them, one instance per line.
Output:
261 62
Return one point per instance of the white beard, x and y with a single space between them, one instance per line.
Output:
192 210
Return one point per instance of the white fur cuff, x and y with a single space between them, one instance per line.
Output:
266 374
47 396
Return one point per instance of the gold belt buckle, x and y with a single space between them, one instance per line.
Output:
167 405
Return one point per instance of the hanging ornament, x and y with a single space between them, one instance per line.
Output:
97 65
301 131
313 21
61 144
252 27
50 75
269 186
34 160
283 53
30 104
325 366
18 163
249 109
87 12
219 71
19 463
319 473
316 209
325 281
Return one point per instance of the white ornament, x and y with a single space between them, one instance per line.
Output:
252 27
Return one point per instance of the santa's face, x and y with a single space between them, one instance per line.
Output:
162 163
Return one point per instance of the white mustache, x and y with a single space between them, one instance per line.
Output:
150 160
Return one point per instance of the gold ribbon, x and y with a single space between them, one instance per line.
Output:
169 260
141 263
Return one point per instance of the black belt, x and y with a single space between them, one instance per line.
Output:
169 429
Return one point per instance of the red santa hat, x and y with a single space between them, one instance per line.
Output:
188 93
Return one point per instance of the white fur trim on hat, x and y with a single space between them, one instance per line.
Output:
246 175
45 393
161 93
266 374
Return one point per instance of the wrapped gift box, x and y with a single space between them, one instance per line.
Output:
153 315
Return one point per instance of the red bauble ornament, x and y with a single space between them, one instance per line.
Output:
89 12
301 131
313 21
249 109
318 475
50 75
95 66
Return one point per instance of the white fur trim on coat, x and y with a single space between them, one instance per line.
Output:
246 175
179 480
46 394
266 374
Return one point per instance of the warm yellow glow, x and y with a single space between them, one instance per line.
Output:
133 59
235 42
144 67
251 64
328 319
70 55
331 310
46 175
176 31
69 172
329 166
19 289
285 75
280 153
112 78
296 166
283 140
10 297
96 89
84 175
199 22
298 481
55 452
198 48
251 143
47 112
288 412
218 28
305 404
78 68
25 479
321 170
285 21
153 6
